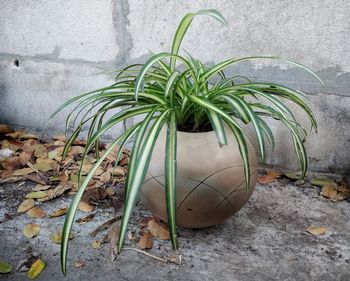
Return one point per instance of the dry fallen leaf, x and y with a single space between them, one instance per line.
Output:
105 177
79 263
25 206
28 137
274 174
86 219
335 192
57 237
117 171
31 230
158 230
322 181
103 226
293 175
36 268
22 172
25 157
317 230
266 179
36 195
40 151
58 213
146 241
57 191
40 187
5 267
110 191
85 207
44 165
113 234
96 244
4 129
59 137
36 212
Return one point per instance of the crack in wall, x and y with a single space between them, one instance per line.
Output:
123 36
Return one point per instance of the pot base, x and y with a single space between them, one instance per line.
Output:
199 204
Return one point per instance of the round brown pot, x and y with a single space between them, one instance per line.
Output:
210 179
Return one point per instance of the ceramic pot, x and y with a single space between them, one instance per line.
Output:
210 179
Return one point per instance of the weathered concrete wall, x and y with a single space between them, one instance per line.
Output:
53 50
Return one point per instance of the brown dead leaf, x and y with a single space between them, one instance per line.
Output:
79 263
31 230
76 149
96 244
58 191
59 143
12 144
322 181
158 230
56 154
36 212
36 268
22 172
57 237
103 226
28 136
117 171
40 151
146 241
266 179
36 195
25 205
12 163
85 207
15 135
85 219
293 175
105 177
329 191
335 192
317 230
110 191
124 161
40 187
4 129
59 137
45 165
36 178
58 213
113 234
25 156
64 177
274 173
112 156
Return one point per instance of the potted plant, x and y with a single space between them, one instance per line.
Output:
194 120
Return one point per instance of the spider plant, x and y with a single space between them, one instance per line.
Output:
183 94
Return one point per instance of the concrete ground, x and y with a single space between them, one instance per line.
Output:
266 240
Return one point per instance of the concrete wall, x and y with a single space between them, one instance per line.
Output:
53 50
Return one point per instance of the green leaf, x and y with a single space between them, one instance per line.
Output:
140 169
154 59
184 25
218 127
74 204
170 177
5 267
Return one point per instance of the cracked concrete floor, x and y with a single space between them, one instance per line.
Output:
266 240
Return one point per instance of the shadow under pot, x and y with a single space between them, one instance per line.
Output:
210 183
